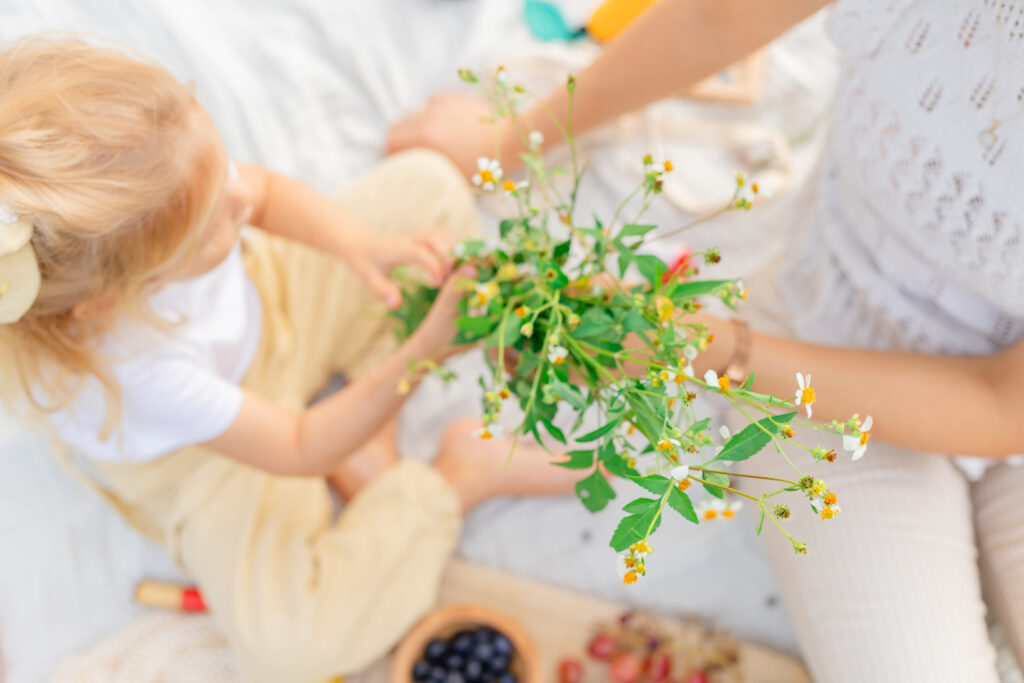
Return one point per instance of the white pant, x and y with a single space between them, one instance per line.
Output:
891 589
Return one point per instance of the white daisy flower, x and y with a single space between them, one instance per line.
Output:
536 139
690 352
712 379
858 443
491 431
489 173
679 473
804 393
724 431
558 354
709 508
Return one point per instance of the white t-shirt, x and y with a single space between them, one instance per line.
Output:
179 387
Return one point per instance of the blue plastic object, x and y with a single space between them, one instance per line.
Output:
546 22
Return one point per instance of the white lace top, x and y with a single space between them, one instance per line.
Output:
916 240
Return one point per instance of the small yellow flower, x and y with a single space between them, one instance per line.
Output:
629 577
731 509
827 513
819 489
788 432
504 394
664 306
641 548
668 165
831 499
683 485
558 354
487 432
805 395
521 311
508 186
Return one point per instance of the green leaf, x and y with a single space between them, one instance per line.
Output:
553 430
594 323
568 393
698 426
528 362
760 525
680 502
578 460
561 249
595 492
720 479
552 275
475 326
613 422
636 322
639 505
633 230
684 291
752 438
654 483
634 528
506 226
651 267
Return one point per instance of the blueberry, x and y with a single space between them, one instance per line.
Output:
420 670
498 664
507 678
474 670
485 634
483 651
437 675
455 677
454 662
502 645
436 650
463 643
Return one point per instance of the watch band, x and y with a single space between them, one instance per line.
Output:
737 368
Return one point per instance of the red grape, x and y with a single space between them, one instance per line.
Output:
603 647
659 666
570 671
626 668
697 677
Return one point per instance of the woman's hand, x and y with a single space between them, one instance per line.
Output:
458 126
372 258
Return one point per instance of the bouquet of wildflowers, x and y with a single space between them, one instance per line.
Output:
552 305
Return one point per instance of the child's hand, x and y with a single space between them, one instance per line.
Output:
435 334
373 258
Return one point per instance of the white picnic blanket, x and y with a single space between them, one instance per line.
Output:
308 87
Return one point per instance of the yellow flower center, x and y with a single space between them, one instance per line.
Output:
641 548
664 307
710 514
864 438
629 577
831 499
504 393
788 432
559 360
728 514
807 395
486 434
509 185
486 176
668 165
723 383
684 484
664 445
828 513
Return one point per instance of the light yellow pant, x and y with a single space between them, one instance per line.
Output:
891 591
301 597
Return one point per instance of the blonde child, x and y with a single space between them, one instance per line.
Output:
176 360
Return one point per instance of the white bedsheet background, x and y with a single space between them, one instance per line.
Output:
308 88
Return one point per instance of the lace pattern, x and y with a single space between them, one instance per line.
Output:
916 237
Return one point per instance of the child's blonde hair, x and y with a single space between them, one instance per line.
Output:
96 150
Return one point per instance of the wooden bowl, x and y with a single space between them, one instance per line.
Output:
446 621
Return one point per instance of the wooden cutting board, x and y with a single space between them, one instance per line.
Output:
561 623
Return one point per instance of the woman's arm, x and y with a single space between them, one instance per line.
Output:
673 45
964 405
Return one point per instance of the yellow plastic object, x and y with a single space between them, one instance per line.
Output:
614 16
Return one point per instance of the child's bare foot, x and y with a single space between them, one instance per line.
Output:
375 456
476 467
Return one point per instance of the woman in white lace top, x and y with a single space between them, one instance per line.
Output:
902 292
